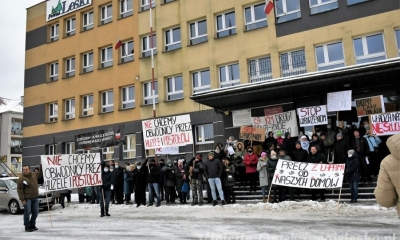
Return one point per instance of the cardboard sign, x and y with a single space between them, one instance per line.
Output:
371 105
241 117
167 132
308 175
339 101
71 171
281 122
252 133
167 150
384 124
310 116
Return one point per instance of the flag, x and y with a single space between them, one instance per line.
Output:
268 7
118 44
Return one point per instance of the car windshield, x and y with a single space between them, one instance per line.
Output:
12 183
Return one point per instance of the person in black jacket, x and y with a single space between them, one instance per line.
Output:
316 157
168 171
140 182
340 148
213 172
108 179
352 174
289 143
196 168
118 183
270 140
360 146
315 141
299 154
152 182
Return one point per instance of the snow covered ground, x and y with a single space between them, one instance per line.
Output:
245 220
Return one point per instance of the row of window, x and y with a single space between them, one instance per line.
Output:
204 141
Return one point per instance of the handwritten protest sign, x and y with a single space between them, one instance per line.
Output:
371 105
241 117
71 171
308 175
167 132
385 123
251 133
167 150
310 116
339 101
281 122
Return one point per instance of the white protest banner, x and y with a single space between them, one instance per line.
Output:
308 175
280 122
310 116
339 101
167 150
384 124
241 117
167 132
71 171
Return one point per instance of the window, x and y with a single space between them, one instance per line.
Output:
369 48
106 57
70 27
106 14
146 48
226 24
318 6
168 1
87 105
260 69
129 148
172 39
204 138
145 4
53 112
107 101
53 71
87 62
16 146
126 8
69 148
54 32
352 2
87 20
148 93
174 88
287 10
397 33
127 52
293 63
128 97
255 17
229 75
198 32
329 56
70 67
70 109
51 149
201 81
108 153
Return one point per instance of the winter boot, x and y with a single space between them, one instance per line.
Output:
107 214
264 200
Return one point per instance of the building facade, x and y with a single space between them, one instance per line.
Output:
211 58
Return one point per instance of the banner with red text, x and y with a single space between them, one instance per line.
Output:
310 116
71 171
308 175
384 124
167 132
278 123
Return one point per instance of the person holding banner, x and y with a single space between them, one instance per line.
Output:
263 174
271 166
316 157
108 180
352 174
140 182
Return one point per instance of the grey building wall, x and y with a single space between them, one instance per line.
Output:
34 115
35 76
36 38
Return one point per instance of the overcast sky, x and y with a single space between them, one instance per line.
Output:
12 46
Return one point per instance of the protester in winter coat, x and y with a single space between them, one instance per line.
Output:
271 166
240 167
352 174
152 183
107 179
305 144
112 165
279 138
316 142
330 132
213 172
360 146
289 143
328 144
140 181
128 179
219 152
373 147
269 140
161 180
251 160
263 175
387 191
299 154
180 178
230 145
340 148
118 183
196 170
229 181
316 157
169 182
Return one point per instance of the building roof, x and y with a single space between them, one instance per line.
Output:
11 106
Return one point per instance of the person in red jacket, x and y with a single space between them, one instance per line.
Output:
251 160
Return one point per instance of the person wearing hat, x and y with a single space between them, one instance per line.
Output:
305 144
352 173
169 182
271 166
140 182
279 138
196 169
340 148
213 172
315 141
152 182
251 160
263 175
